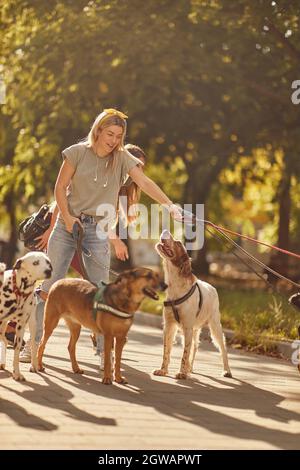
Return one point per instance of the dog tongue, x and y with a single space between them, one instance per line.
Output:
151 293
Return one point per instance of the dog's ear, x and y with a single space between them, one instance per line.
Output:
185 269
17 264
140 272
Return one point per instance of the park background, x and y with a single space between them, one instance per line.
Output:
207 86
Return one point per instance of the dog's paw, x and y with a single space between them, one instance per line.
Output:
121 380
181 376
106 381
41 368
78 371
160 372
33 369
227 374
18 377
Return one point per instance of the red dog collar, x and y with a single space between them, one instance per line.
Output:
18 293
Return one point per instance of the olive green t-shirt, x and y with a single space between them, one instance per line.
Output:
95 181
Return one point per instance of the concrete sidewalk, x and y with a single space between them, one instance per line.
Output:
258 409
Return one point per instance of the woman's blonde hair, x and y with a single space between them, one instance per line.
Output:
113 117
108 117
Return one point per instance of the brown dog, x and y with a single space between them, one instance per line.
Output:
72 299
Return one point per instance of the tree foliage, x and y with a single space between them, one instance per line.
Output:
205 83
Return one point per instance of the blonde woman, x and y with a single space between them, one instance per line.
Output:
90 176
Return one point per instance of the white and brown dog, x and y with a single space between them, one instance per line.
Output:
17 302
191 304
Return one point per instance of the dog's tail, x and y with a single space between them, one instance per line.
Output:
2 269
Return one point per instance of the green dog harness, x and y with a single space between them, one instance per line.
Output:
98 305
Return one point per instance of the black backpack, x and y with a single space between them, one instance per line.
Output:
34 226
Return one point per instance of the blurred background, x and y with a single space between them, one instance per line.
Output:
207 86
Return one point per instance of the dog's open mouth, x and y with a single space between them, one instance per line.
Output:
165 250
150 293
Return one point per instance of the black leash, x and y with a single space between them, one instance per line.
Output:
78 235
253 258
98 304
260 263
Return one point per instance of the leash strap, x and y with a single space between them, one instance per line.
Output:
98 304
78 233
189 217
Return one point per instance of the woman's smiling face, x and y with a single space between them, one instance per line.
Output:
109 138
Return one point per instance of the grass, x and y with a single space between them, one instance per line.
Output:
153 306
256 317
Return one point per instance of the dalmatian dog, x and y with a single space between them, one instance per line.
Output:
17 302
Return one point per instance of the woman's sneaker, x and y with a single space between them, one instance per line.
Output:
25 354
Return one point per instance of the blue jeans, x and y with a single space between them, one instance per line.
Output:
61 249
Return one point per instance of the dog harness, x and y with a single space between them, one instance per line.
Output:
173 303
18 293
98 305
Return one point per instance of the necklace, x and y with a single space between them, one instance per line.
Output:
96 173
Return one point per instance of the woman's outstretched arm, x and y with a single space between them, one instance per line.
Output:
153 190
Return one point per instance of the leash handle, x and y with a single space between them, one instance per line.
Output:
78 234
181 215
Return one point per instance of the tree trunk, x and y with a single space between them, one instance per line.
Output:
201 265
11 249
279 261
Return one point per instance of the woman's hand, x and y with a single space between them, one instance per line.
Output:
120 248
176 212
70 221
43 240
181 215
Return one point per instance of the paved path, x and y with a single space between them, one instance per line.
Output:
259 409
